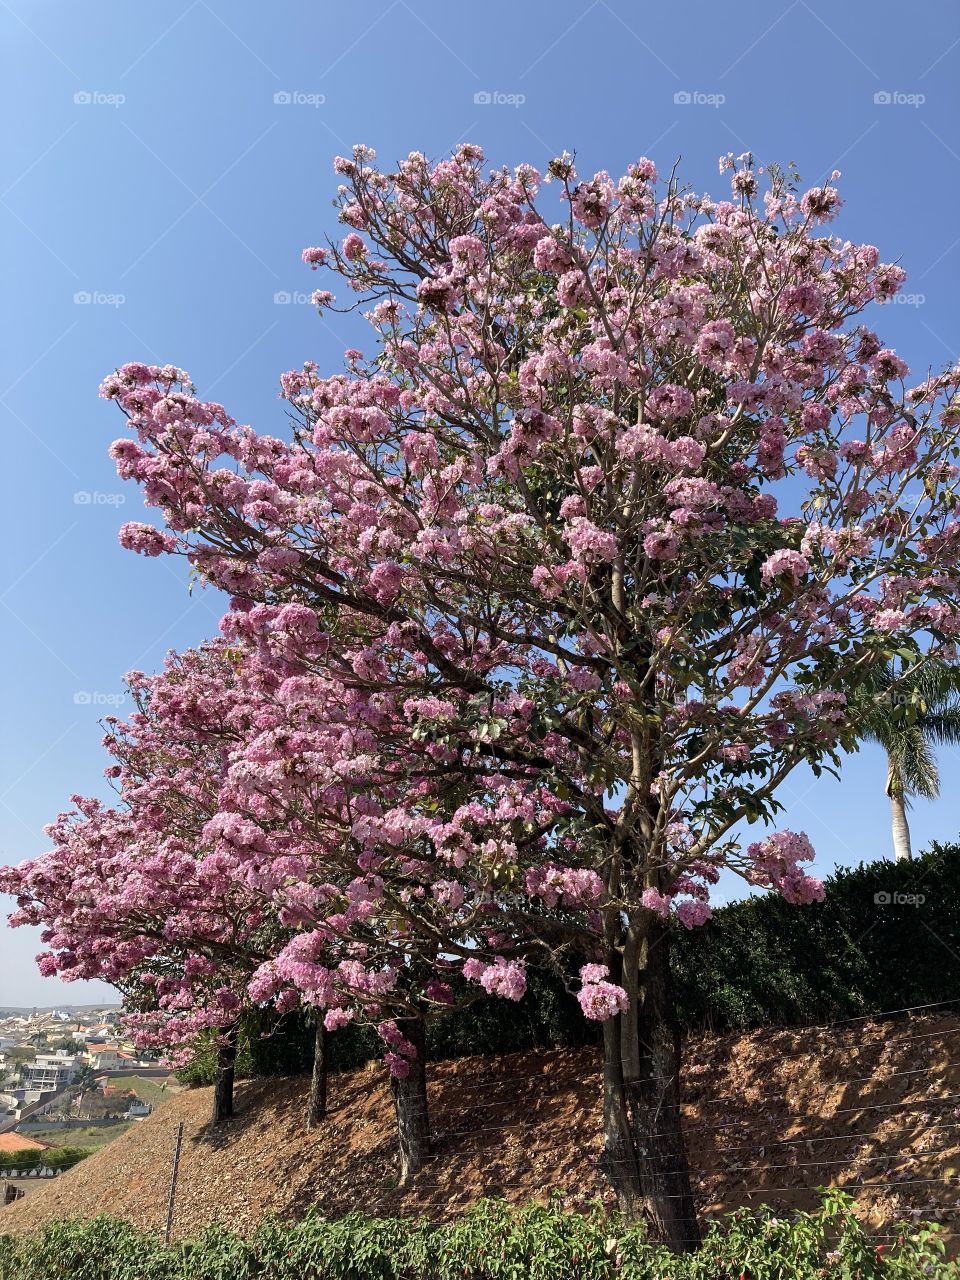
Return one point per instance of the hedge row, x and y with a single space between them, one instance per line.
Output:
758 962
491 1242
886 937
28 1158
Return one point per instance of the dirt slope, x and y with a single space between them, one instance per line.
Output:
770 1117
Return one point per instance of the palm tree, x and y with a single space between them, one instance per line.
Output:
909 713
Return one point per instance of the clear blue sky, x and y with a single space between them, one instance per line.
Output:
153 169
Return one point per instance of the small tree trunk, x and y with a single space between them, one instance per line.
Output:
901 828
410 1103
317 1108
223 1084
654 1096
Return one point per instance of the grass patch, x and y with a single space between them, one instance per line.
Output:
92 1136
147 1090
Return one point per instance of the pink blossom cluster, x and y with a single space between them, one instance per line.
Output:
598 998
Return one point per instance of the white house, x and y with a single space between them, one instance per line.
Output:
49 1072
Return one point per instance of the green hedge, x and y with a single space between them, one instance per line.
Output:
47 1158
491 1242
763 961
548 1015
758 962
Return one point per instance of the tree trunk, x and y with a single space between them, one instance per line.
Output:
223 1084
410 1103
619 1159
900 826
644 1153
317 1108
655 1102
898 813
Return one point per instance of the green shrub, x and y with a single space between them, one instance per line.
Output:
490 1242
47 1158
763 961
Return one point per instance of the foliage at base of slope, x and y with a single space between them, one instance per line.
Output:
491 1242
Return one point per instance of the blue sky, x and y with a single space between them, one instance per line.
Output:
168 165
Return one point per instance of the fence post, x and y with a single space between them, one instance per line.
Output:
178 1142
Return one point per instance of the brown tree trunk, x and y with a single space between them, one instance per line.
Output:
410 1104
654 1095
317 1107
618 1161
223 1083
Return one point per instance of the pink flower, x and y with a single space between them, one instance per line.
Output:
669 402
505 978
661 546
336 1018
145 539
654 900
588 542
593 973
784 563
692 913
821 203
314 257
715 342
602 1000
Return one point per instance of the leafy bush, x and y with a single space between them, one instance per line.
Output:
764 961
491 1242
47 1158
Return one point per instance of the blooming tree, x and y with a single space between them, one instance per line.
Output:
235 871
624 502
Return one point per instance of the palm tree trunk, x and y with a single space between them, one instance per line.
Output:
898 813
901 828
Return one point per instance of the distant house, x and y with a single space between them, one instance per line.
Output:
49 1072
108 1058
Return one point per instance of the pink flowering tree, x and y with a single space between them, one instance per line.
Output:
138 910
626 499
247 865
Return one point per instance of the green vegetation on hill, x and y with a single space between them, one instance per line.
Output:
53 1157
146 1089
491 1242
90 1137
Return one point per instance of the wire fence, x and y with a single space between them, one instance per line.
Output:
844 1104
